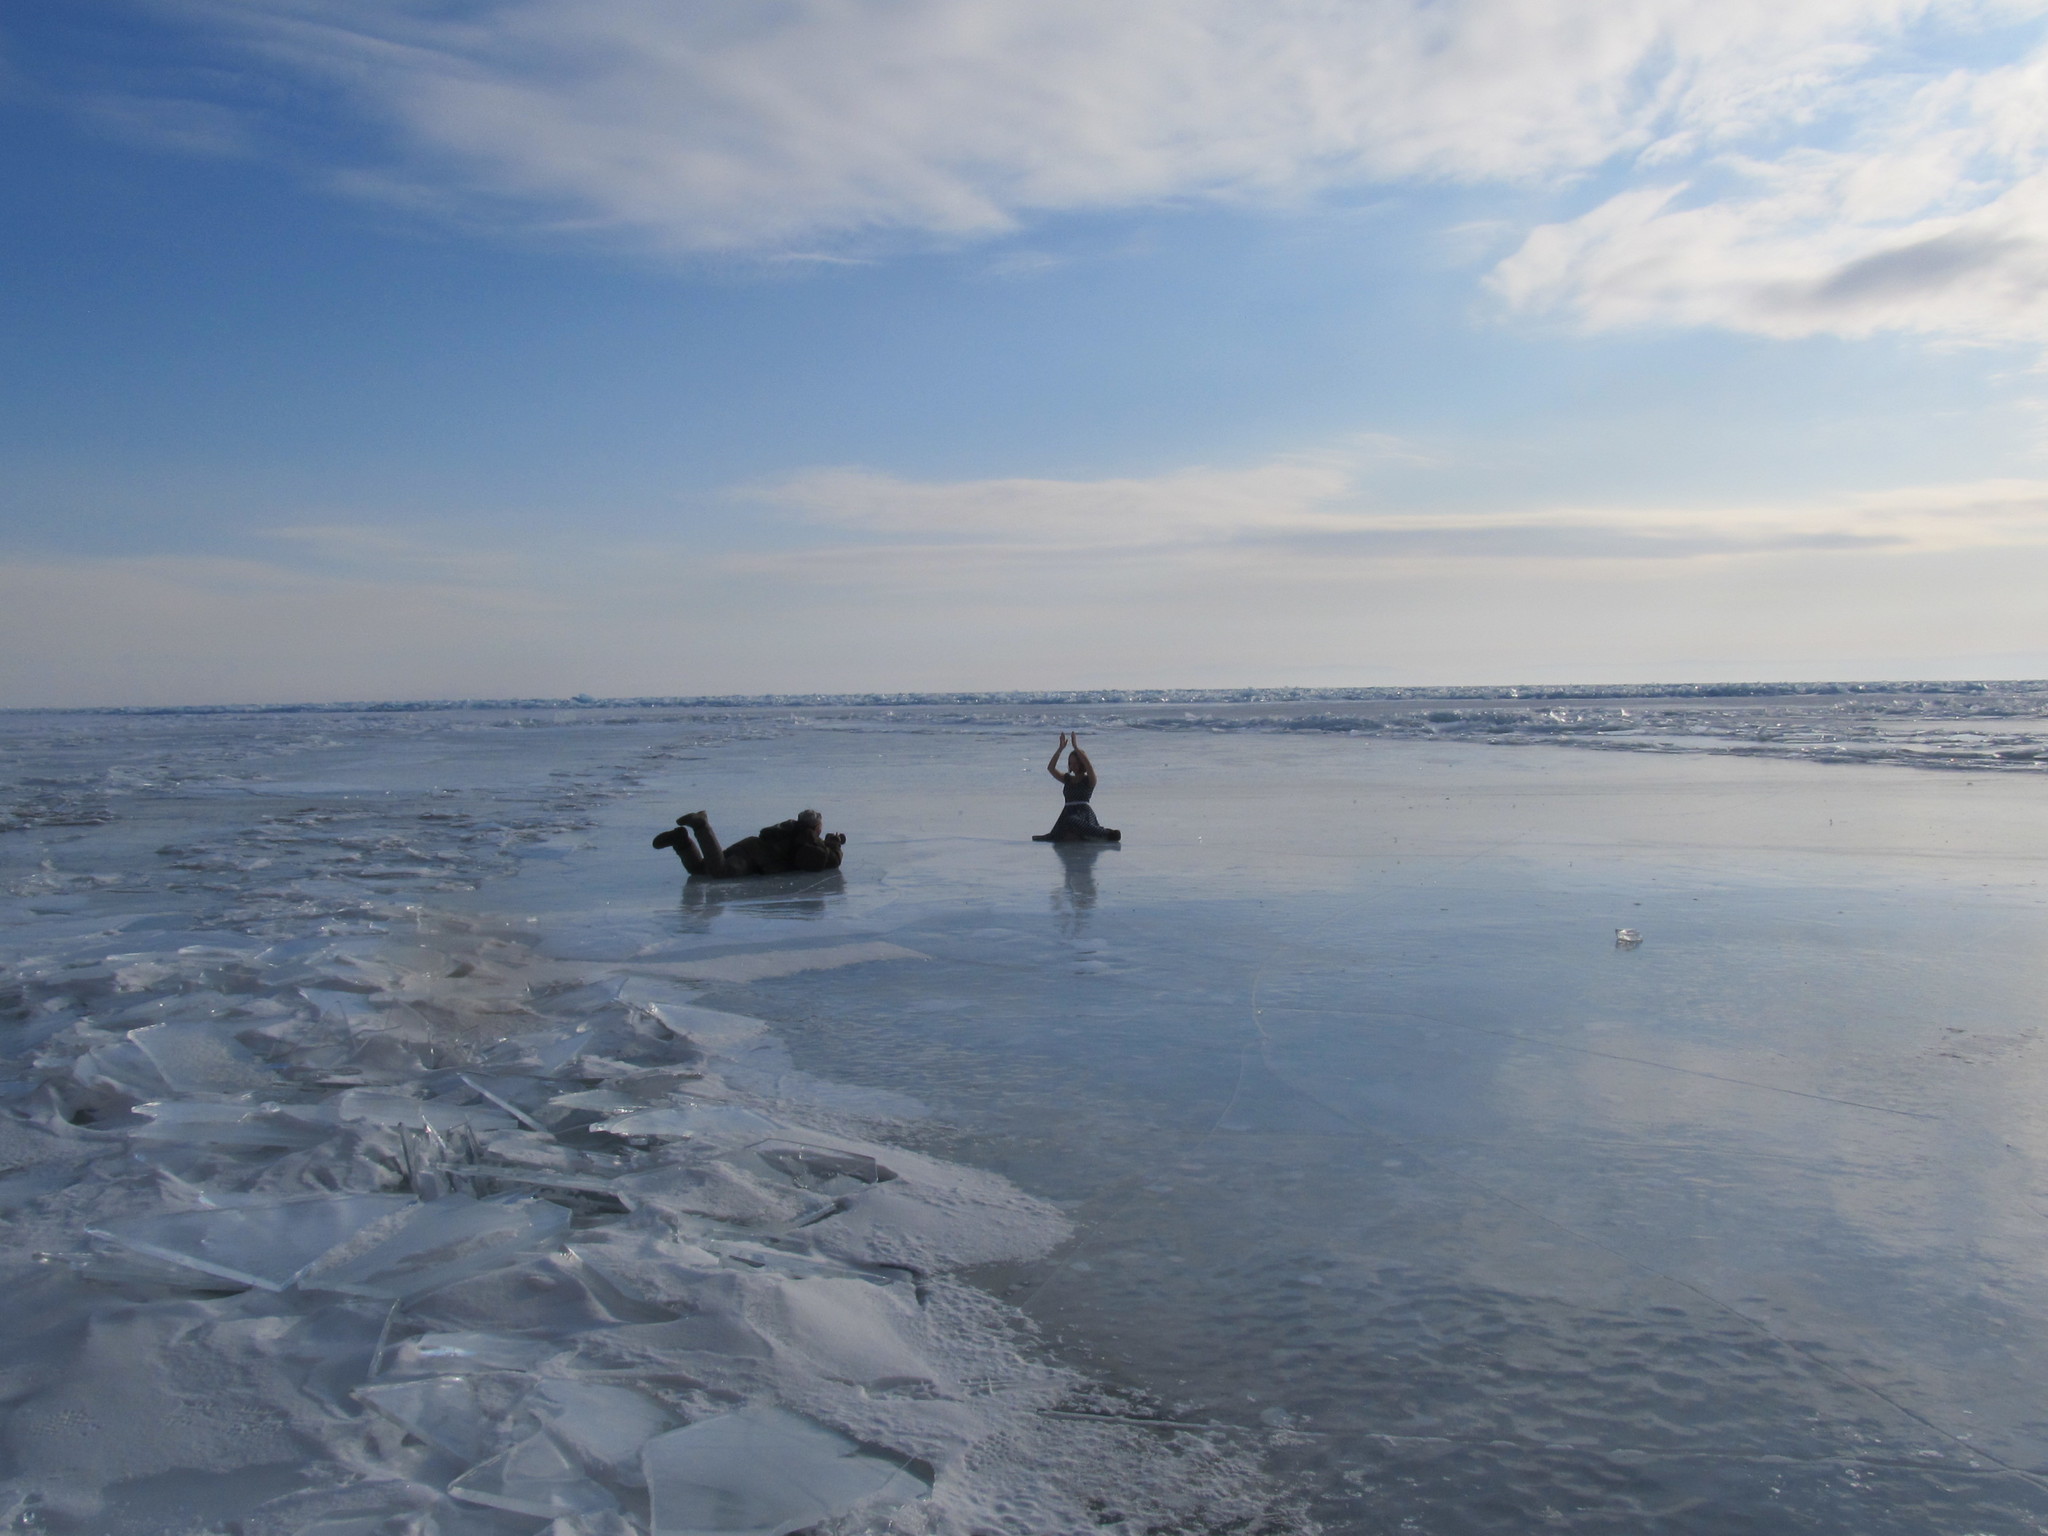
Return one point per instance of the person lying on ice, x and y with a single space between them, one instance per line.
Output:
785 848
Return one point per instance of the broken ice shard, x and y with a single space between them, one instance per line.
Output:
268 1244
441 1410
201 1058
689 1120
604 1426
210 1123
535 1477
764 1472
438 1116
458 1352
1626 938
442 1241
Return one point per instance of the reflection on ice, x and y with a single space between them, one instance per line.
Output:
1077 895
797 898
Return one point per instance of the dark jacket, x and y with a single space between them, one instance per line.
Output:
789 847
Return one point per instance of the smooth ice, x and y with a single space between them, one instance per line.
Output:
764 1472
1352 1171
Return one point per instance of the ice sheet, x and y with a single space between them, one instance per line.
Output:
1384 1168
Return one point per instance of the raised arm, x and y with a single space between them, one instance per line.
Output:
1052 764
1078 764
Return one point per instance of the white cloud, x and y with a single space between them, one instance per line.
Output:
1291 574
138 630
1185 507
1933 219
765 125
1318 509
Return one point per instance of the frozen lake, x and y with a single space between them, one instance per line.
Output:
1387 1171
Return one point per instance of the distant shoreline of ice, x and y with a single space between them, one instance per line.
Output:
1388 693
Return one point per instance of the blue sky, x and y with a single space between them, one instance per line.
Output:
634 346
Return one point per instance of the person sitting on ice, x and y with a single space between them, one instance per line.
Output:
1077 823
800 844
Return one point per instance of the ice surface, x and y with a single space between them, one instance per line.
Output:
397 1109
729 1122
271 1244
237 1124
602 1426
534 1477
1374 1160
439 1242
444 1411
463 1352
788 962
201 1058
764 1472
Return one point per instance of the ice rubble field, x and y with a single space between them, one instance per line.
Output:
387 1150
332 1211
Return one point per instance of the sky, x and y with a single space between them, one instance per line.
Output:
365 349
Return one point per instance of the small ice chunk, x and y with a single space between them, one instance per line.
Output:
442 1241
454 1353
692 1120
1626 938
351 1008
441 1410
824 1170
438 1116
636 1090
202 1122
201 1058
494 1092
707 1027
605 1100
603 1426
544 1052
606 1523
270 1244
124 1067
535 1477
551 1293
765 1472
549 1178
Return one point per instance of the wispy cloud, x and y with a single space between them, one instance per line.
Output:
1291 573
355 549
764 127
1183 507
1932 219
1318 509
